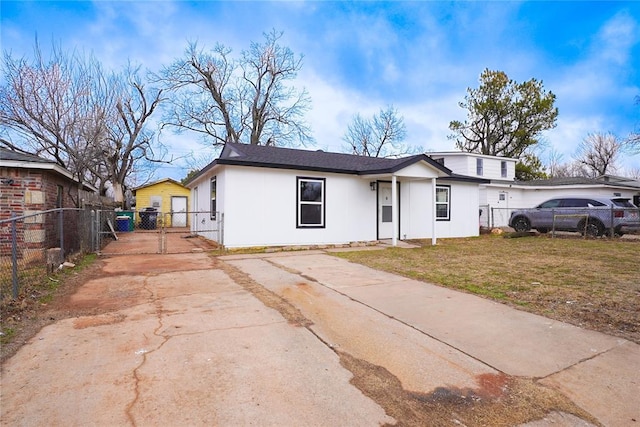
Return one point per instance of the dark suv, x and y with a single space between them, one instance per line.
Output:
592 216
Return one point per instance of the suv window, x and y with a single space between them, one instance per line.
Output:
594 203
550 204
623 203
574 203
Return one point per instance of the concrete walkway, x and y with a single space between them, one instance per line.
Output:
465 334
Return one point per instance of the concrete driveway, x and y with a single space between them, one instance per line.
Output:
273 339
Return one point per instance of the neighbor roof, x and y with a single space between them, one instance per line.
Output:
14 159
158 182
7 155
554 182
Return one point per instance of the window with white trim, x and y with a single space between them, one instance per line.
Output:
443 203
214 185
310 201
503 169
479 167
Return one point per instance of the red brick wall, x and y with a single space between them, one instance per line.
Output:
13 200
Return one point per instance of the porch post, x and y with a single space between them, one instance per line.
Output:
394 211
433 217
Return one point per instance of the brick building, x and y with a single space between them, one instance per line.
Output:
30 186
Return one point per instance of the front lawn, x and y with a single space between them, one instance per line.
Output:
592 283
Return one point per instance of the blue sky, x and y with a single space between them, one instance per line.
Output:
362 56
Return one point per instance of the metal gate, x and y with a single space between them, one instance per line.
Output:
150 232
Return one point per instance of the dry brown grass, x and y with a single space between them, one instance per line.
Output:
589 283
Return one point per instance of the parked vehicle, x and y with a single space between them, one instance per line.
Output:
592 216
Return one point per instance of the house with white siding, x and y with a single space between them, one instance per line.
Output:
272 196
503 193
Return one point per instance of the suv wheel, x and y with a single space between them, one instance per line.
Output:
593 228
521 224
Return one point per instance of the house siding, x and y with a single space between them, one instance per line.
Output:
464 212
164 190
465 164
259 208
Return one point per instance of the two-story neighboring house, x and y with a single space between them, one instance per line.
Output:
504 194
501 171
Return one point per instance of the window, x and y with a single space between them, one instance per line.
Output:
503 169
156 202
479 167
443 203
554 203
214 206
310 202
59 196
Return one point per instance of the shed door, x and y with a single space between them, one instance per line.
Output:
385 226
179 211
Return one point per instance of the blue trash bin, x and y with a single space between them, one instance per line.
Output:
122 224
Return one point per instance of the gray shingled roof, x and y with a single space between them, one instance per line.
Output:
6 154
289 158
321 161
554 182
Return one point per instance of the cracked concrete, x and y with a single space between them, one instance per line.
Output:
184 348
277 339
598 372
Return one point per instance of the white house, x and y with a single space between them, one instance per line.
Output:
270 196
503 193
501 171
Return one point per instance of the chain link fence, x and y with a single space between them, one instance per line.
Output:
33 245
608 221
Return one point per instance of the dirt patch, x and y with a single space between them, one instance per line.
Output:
500 400
32 311
268 298
88 322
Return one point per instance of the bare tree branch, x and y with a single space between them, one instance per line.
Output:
239 100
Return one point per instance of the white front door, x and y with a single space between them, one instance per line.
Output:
179 211
385 210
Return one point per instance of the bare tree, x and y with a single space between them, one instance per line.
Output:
600 152
380 136
238 100
68 109
47 108
129 141
571 169
554 163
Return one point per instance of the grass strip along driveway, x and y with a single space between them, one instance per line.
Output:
593 284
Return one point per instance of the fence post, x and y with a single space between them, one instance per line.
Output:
61 228
92 235
611 230
14 255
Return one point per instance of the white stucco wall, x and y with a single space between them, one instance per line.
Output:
465 164
416 210
465 221
260 209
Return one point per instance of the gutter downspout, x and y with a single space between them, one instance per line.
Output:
433 217
394 211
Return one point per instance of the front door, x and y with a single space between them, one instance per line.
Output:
385 209
179 211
